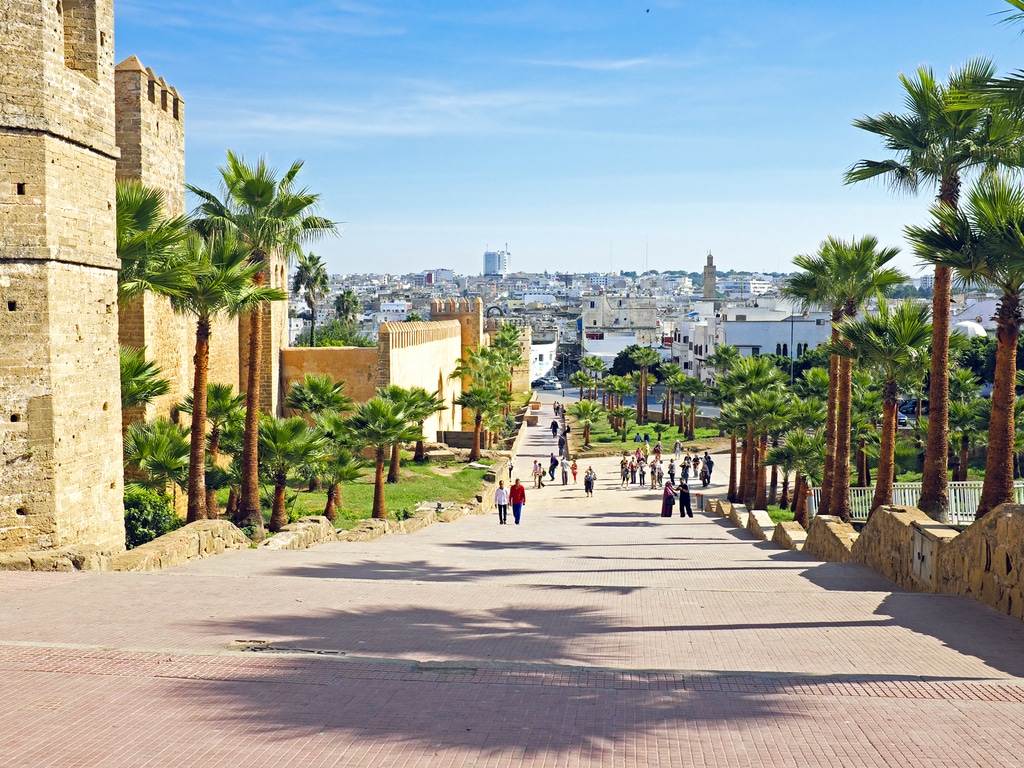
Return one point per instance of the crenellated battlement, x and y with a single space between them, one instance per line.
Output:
402 335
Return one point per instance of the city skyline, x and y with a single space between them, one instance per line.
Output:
588 137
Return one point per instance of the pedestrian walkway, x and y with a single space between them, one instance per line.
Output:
594 634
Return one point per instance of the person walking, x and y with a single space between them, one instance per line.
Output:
501 499
642 471
517 495
624 471
538 474
554 428
588 481
677 449
709 463
684 469
672 471
668 500
574 469
552 466
565 471
684 500
633 464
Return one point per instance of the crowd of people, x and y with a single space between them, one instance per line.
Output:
645 467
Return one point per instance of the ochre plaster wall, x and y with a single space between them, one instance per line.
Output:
356 366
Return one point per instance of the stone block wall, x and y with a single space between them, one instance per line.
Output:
986 562
830 539
60 447
886 544
202 538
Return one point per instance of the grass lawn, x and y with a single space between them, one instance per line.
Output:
779 515
601 433
418 483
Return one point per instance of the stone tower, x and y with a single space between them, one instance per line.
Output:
60 412
710 279
150 128
470 314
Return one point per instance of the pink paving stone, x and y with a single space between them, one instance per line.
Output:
595 634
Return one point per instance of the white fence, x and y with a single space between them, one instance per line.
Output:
963 499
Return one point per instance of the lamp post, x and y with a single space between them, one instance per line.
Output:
792 321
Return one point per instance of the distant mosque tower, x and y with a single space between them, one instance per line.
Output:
710 279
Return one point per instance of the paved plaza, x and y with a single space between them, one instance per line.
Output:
594 634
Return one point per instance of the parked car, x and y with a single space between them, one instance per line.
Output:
551 384
901 420
910 407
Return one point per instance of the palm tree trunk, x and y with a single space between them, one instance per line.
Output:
691 429
741 489
231 509
784 498
197 447
887 451
731 496
998 486
333 494
474 453
934 500
379 512
249 513
278 515
800 500
760 495
212 507
840 503
830 422
586 435
393 469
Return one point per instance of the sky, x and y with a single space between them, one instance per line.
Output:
587 135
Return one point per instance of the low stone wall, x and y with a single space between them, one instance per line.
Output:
195 540
886 544
304 533
738 514
830 539
789 534
760 525
61 559
986 561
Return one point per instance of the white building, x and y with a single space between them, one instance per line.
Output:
497 263
745 287
392 312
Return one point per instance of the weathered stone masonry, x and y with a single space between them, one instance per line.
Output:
60 447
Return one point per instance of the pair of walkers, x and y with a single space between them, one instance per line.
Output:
514 496
668 499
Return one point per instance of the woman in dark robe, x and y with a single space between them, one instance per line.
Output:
668 499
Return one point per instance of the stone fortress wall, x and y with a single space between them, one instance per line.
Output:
60 414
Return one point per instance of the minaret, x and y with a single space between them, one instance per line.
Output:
710 287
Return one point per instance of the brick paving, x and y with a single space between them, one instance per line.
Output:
595 634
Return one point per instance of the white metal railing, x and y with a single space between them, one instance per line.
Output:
963 499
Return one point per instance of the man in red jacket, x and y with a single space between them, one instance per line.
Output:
517 495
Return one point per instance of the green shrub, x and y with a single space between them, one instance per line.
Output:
147 515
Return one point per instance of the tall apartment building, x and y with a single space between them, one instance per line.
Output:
497 263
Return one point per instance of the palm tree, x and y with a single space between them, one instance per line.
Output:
968 423
421 405
841 276
284 445
379 424
141 382
581 380
220 282
645 358
813 382
400 396
596 368
481 401
587 412
270 217
690 387
347 306
731 422
338 465
224 409
622 417
722 359
317 393
984 246
158 451
808 455
934 144
146 242
890 341
311 277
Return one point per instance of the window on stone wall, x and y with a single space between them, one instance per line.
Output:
152 91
